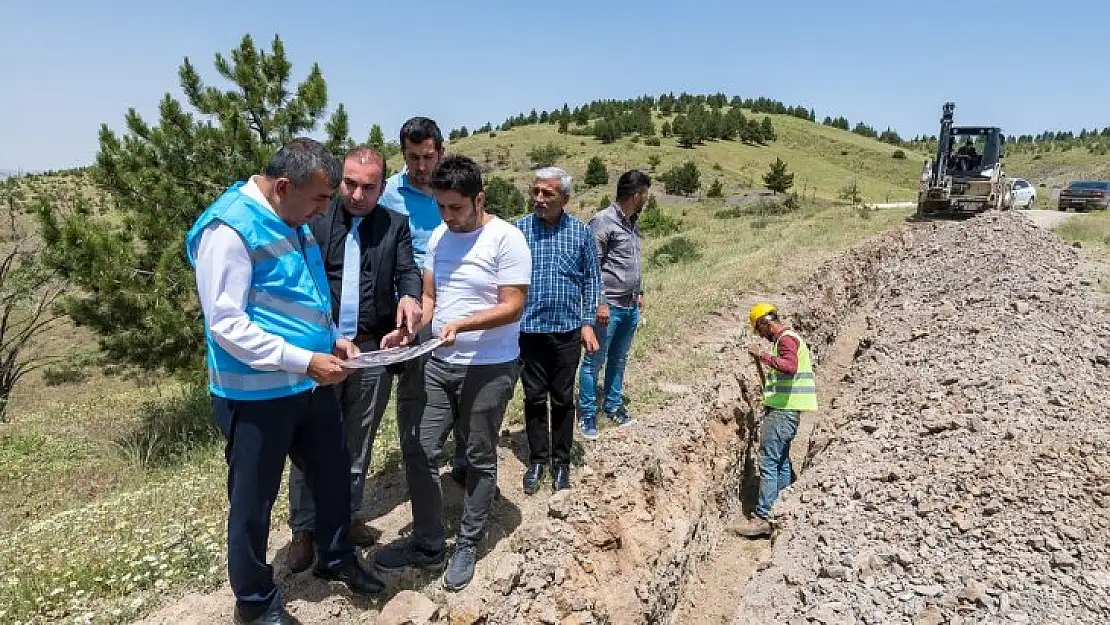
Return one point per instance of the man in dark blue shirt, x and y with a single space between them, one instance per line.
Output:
557 323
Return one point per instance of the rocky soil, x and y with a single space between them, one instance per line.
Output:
969 481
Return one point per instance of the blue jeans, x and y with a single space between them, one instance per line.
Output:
614 340
778 429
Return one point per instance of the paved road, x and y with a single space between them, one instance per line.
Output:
1047 219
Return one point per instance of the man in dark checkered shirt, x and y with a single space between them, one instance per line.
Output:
557 323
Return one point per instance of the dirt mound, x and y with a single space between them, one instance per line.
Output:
969 484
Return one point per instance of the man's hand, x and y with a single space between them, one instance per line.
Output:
449 332
603 314
640 301
396 338
755 351
326 369
345 349
409 313
589 339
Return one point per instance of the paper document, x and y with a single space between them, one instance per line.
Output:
389 356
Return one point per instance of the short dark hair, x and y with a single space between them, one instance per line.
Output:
632 182
458 173
419 130
363 153
301 159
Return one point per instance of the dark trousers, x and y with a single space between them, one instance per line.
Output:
550 361
307 428
474 398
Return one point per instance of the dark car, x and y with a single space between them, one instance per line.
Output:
1085 195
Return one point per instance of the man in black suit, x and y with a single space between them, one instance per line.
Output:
375 288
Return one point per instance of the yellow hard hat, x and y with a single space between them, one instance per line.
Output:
759 311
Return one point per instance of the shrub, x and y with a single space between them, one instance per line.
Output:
654 222
652 141
678 250
67 373
596 173
716 189
503 198
851 192
604 203
546 155
682 179
899 154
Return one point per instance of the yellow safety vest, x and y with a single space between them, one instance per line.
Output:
787 391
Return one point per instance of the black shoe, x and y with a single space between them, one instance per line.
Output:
560 478
274 616
532 478
401 556
358 579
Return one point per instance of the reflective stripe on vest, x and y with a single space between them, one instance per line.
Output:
797 391
288 297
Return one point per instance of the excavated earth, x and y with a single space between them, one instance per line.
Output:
956 472
968 482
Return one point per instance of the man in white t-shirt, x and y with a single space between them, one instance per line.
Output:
477 269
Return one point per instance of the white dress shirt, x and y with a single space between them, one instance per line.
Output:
223 270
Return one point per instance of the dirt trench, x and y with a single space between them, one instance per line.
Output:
640 538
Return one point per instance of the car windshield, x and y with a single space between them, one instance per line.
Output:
1090 185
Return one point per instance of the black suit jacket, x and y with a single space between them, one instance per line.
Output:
388 271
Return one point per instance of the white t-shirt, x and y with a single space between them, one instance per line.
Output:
468 267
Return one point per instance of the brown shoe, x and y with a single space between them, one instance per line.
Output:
754 527
302 552
361 535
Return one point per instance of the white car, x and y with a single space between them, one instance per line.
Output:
1024 194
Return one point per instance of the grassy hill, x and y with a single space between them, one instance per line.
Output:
1058 167
824 159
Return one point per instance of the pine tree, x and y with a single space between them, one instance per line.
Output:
777 179
596 173
716 189
133 285
767 130
376 139
682 179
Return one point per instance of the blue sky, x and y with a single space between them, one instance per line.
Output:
66 66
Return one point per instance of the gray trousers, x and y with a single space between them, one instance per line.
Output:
411 396
363 397
473 397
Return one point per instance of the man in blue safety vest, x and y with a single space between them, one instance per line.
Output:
271 347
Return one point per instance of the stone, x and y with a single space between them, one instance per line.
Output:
407 608
974 592
506 574
559 504
466 612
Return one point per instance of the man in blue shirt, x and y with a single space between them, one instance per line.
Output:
409 192
557 323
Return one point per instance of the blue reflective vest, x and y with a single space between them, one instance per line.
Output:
288 297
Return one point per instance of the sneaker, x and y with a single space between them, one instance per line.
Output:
401 556
619 417
588 427
461 568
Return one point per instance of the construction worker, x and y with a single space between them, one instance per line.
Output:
789 389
